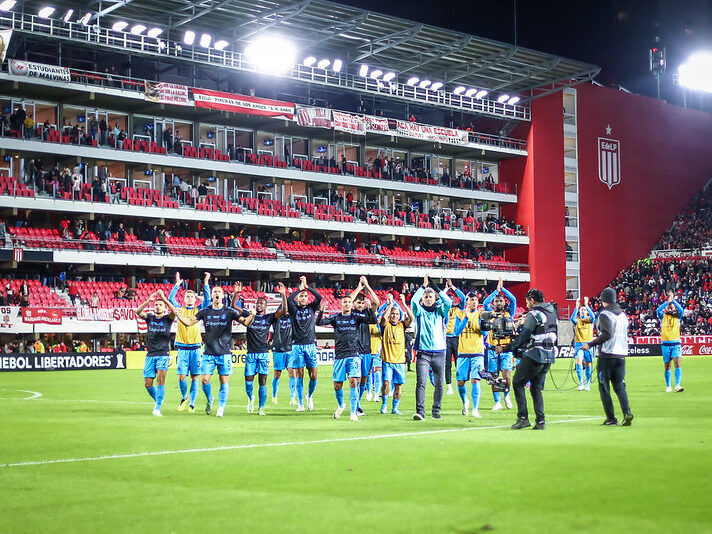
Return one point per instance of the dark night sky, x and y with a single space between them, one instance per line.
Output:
614 34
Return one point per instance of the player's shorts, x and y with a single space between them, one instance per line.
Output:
498 362
303 355
280 360
671 351
222 362
346 368
188 361
394 373
585 354
256 363
155 363
376 361
468 367
366 364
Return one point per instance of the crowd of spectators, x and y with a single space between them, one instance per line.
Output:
692 228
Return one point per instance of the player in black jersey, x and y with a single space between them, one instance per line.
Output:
361 308
282 348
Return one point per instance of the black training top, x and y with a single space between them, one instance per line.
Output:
158 335
258 333
282 334
303 318
218 329
346 333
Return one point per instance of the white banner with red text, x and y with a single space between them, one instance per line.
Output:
346 122
376 124
39 70
168 93
314 117
248 105
432 133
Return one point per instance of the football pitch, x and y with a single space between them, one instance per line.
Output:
81 452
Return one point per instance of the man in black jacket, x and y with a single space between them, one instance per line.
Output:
538 343
612 326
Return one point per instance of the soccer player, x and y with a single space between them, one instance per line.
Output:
158 345
670 313
430 308
583 319
471 353
282 347
451 339
303 314
188 341
364 338
217 321
257 359
347 363
393 329
500 361
376 376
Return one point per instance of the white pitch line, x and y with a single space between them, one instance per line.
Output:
265 445
33 394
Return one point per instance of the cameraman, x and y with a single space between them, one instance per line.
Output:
537 346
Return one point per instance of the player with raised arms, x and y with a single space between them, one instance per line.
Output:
282 346
364 334
393 328
669 314
583 319
470 353
500 361
158 346
303 314
451 339
189 341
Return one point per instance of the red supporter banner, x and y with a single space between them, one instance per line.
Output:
345 122
314 117
432 133
167 93
376 124
41 315
249 105
690 345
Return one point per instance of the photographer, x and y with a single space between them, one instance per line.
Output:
537 346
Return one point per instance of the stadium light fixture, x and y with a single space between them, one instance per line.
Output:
85 19
324 63
309 61
7 5
481 94
271 53
470 92
424 84
336 67
189 37
436 86
502 99
363 71
513 100
138 29
205 40
119 26
696 72
45 12
154 32
388 76
459 90
68 16
412 80
221 44
376 73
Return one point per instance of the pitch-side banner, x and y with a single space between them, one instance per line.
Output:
314 117
432 133
376 124
42 315
63 361
39 70
346 122
651 349
249 105
167 93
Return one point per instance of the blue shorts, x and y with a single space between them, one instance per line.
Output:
155 363
376 361
346 368
671 351
585 354
366 364
256 363
279 360
394 373
303 355
210 362
498 362
468 367
188 361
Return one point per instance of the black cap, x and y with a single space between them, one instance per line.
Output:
608 295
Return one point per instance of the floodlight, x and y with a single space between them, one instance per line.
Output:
7 5
376 73
68 15
323 63
696 73
481 94
271 53
413 80
424 84
138 29
119 26
458 90
221 44
309 61
189 37
363 71
336 67
470 92
388 76
513 100
436 86
45 12
154 32
503 98
205 40
85 19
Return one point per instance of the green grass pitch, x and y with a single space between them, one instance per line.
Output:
309 473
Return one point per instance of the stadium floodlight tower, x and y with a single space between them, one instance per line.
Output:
658 62
696 72
271 53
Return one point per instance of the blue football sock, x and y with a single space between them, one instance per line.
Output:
208 390
506 394
249 389
589 370
183 386
262 394
377 382
292 387
369 383
476 390
667 377
339 393
384 401
396 404
193 391
312 386
462 390
579 372
300 390
353 399
275 386
496 396
222 394
678 376
152 391
361 390
160 394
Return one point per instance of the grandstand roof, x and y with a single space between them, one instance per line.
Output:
326 28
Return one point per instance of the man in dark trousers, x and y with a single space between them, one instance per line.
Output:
612 326
537 342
